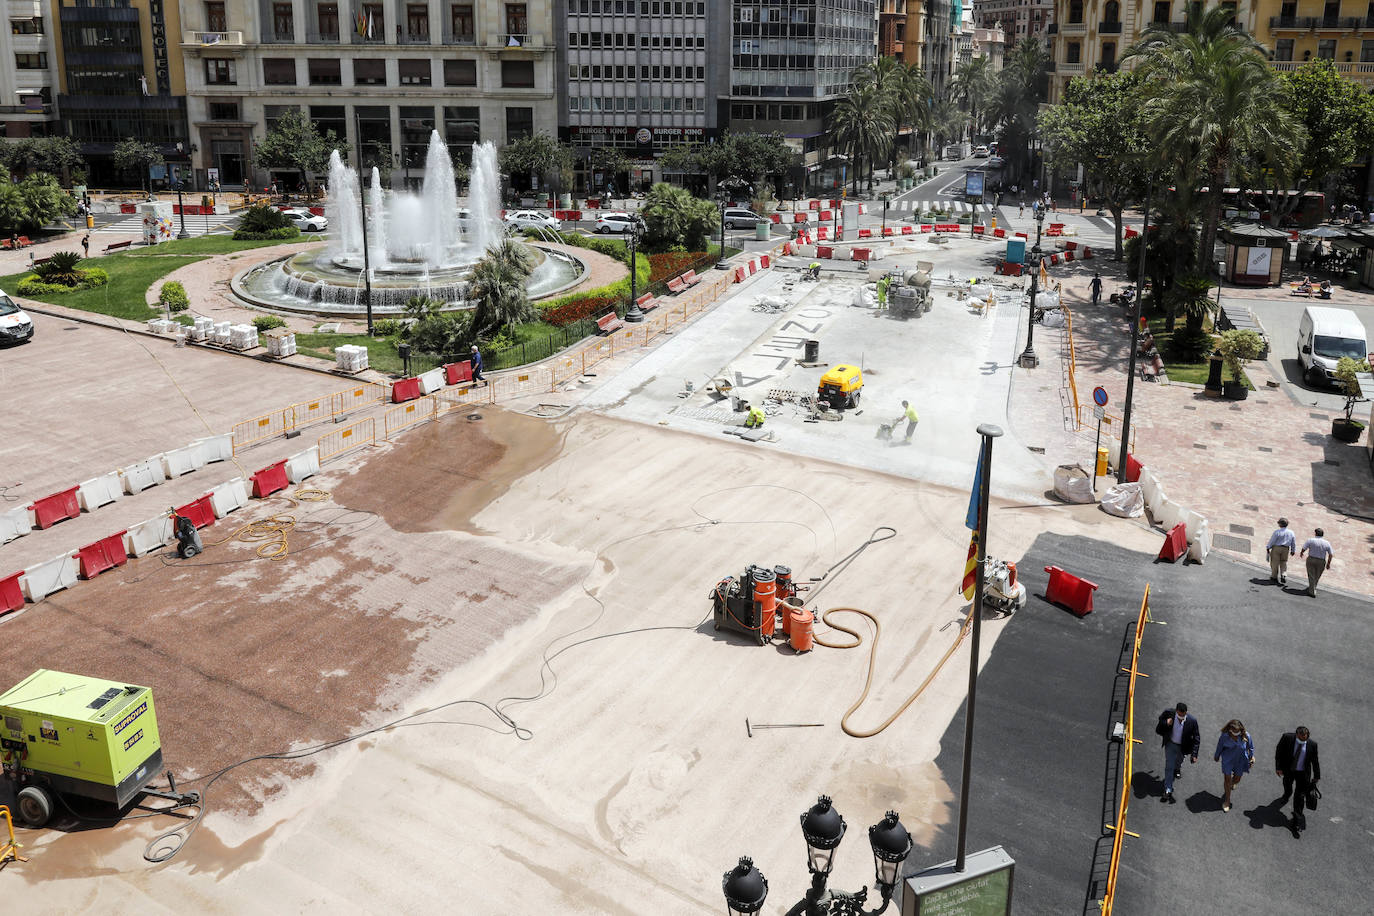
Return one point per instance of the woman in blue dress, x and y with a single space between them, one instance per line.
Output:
1236 752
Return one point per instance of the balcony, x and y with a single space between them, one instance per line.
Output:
413 38
1317 23
1179 27
1109 28
192 40
1073 28
1071 69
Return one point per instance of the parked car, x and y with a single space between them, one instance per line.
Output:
739 218
610 222
980 152
306 221
996 162
1325 335
529 219
15 325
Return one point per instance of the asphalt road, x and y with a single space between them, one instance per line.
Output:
1280 319
1230 645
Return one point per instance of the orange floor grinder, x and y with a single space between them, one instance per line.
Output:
749 603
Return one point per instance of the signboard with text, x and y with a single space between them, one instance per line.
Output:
973 185
983 888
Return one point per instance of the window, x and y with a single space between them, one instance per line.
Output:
37 61
415 72
1366 51
1108 62
417 21
375 30
517 21
1075 10
1073 52
1283 49
324 71
26 26
460 73
330 117
519 123
327 20
462 125
1111 12
224 111
220 71
517 74
1289 9
1326 49
279 71
214 17
463 29
283 22
369 72
1161 11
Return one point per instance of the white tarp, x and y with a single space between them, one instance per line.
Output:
17 522
98 491
229 496
303 465
1073 484
43 579
1124 501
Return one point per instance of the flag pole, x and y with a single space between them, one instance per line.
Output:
983 479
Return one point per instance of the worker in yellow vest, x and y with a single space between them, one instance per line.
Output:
909 414
755 418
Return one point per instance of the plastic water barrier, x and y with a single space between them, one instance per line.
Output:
15 523
229 497
98 491
142 475
180 461
148 536
338 441
43 579
303 464
431 381
215 448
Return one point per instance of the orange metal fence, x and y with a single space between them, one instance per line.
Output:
408 414
1128 759
264 427
341 440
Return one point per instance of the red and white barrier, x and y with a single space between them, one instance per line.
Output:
142 475
229 496
145 537
11 593
41 580
178 461
431 381
99 491
305 464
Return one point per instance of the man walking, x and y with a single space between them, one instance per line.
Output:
1181 739
1318 552
86 245
1295 759
1280 547
1097 288
477 366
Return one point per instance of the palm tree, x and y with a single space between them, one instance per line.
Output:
971 86
1191 295
904 91
1211 101
1014 99
861 124
497 287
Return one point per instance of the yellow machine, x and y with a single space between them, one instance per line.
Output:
840 387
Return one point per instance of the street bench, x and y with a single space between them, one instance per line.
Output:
646 302
117 245
690 278
609 323
676 285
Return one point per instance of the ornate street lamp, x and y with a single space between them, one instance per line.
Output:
1028 358
891 845
181 207
725 190
633 314
823 828
745 888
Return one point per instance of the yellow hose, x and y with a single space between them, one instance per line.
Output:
272 531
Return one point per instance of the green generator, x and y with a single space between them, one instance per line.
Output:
82 736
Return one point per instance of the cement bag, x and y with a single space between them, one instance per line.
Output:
1046 299
1073 484
979 290
1200 546
865 297
1054 319
1124 501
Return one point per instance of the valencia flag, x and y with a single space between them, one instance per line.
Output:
966 588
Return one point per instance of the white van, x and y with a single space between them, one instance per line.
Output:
1324 336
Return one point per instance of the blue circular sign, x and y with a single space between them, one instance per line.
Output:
1100 396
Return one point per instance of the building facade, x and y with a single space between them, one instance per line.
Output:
381 74
899 30
1018 18
28 71
637 75
119 74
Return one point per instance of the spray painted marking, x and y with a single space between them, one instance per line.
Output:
787 344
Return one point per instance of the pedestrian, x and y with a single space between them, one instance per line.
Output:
1295 759
86 245
1021 209
1082 204
1235 752
1281 545
1182 738
909 413
477 365
1097 288
1319 554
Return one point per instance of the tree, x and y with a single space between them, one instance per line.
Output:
55 155
539 156
747 157
1098 124
904 91
134 155
1212 102
973 83
610 161
497 287
33 203
676 220
294 144
861 124
1337 117
1012 102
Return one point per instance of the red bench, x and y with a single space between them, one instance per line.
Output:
609 323
646 302
691 278
117 245
676 285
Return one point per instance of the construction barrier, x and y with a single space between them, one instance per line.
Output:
142 475
269 480
15 523
229 496
307 412
364 432
200 511
148 536
359 396
178 461
865 233
106 553
11 593
406 415
215 448
1175 544
259 429
51 576
56 507
537 379
765 261
457 373
99 491
1070 591
406 389
303 464
431 381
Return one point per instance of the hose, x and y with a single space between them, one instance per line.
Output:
272 531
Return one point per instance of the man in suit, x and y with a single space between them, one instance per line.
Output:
1295 759
1181 739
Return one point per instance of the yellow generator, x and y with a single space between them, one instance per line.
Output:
840 387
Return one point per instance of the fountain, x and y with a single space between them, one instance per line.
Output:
417 244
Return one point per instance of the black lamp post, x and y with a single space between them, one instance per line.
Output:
1028 358
633 314
823 828
745 888
181 207
886 198
362 206
891 845
725 190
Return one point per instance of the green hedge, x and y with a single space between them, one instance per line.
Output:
91 277
268 322
285 232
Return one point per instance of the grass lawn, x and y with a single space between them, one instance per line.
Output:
213 244
381 352
1194 373
123 296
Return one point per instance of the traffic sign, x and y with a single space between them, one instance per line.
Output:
1100 396
1099 411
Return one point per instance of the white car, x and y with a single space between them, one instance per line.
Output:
607 223
306 221
528 219
996 162
15 326
980 152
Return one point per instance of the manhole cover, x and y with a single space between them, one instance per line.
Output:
1265 448
474 416
1199 445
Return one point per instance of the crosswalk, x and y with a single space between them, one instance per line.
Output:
195 225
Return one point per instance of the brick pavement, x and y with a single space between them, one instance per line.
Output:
1240 464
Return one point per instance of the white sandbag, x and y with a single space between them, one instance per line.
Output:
980 290
1054 319
865 298
1124 501
1200 546
1073 484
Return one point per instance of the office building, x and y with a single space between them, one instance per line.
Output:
28 72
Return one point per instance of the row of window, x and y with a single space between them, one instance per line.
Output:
370 23
32 26
748 111
1283 50
627 40
37 61
595 72
282 71
597 104
461 124
749 59
627 8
